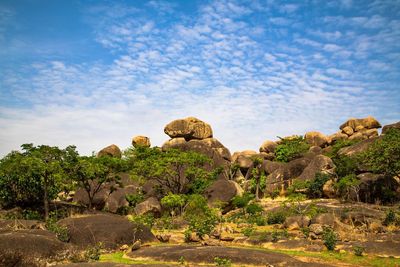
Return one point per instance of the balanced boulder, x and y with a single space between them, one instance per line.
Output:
188 128
268 146
111 150
316 139
365 123
141 140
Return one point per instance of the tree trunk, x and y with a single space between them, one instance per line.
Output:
257 189
46 201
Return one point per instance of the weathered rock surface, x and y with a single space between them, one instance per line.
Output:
296 222
268 146
390 126
150 205
112 230
316 139
188 128
141 140
111 150
319 164
30 247
357 148
223 190
367 123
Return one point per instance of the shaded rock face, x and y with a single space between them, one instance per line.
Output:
188 128
150 205
316 139
141 140
111 196
319 164
390 126
112 230
372 187
296 222
223 190
30 247
284 173
357 148
244 159
111 150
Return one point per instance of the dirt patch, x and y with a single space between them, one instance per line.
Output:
204 254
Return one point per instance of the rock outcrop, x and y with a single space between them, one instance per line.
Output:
319 164
112 230
141 140
316 139
188 128
223 190
111 150
390 126
360 129
150 205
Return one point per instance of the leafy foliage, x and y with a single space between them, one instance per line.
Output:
330 238
312 188
176 171
222 262
291 148
276 217
348 184
174 202
242 201
383 156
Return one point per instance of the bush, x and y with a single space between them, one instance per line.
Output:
222 262
60 231
146 219
93 253
330 238
253 208
347 184
201 218
278 235
305 231
242 201
258 219
248 231
290 149
174 202
391 218
315 187
277 217
358 250
134 199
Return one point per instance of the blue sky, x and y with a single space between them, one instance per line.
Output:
93 73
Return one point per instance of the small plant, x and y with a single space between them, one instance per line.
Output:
390 218
222 262
248 231
358 250
277 217
253 208
187 234
93 253
146 219
134 199
277 235
31 215
242 201
181 260
274 194
330 238
305 231
60 231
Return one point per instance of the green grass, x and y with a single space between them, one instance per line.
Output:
117 257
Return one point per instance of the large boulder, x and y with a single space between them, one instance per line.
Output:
390 126
358 147
188 128
296 222
337 137
373 188
110 196
282 176
112 230
150 205
141 140
30 248
319 164
268 146
223 190
316 139
244 158
365 123
111 150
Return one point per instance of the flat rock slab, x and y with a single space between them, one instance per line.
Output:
204 254
108 264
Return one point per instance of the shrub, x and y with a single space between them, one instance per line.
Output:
330 238
253 208
174 202
305 231
93 253
276 217
242 201
258 219
391 218
290 149
314 188
347 184
278 235
146 219
222 262
248 231
201 218
31 215
358 250
60 231
134 199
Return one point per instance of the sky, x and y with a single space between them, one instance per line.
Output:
95 73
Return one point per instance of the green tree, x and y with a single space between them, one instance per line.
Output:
258 178
174 170
92 173
36 173
291 148
174 202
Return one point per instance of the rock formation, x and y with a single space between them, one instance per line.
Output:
141 140
111 150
